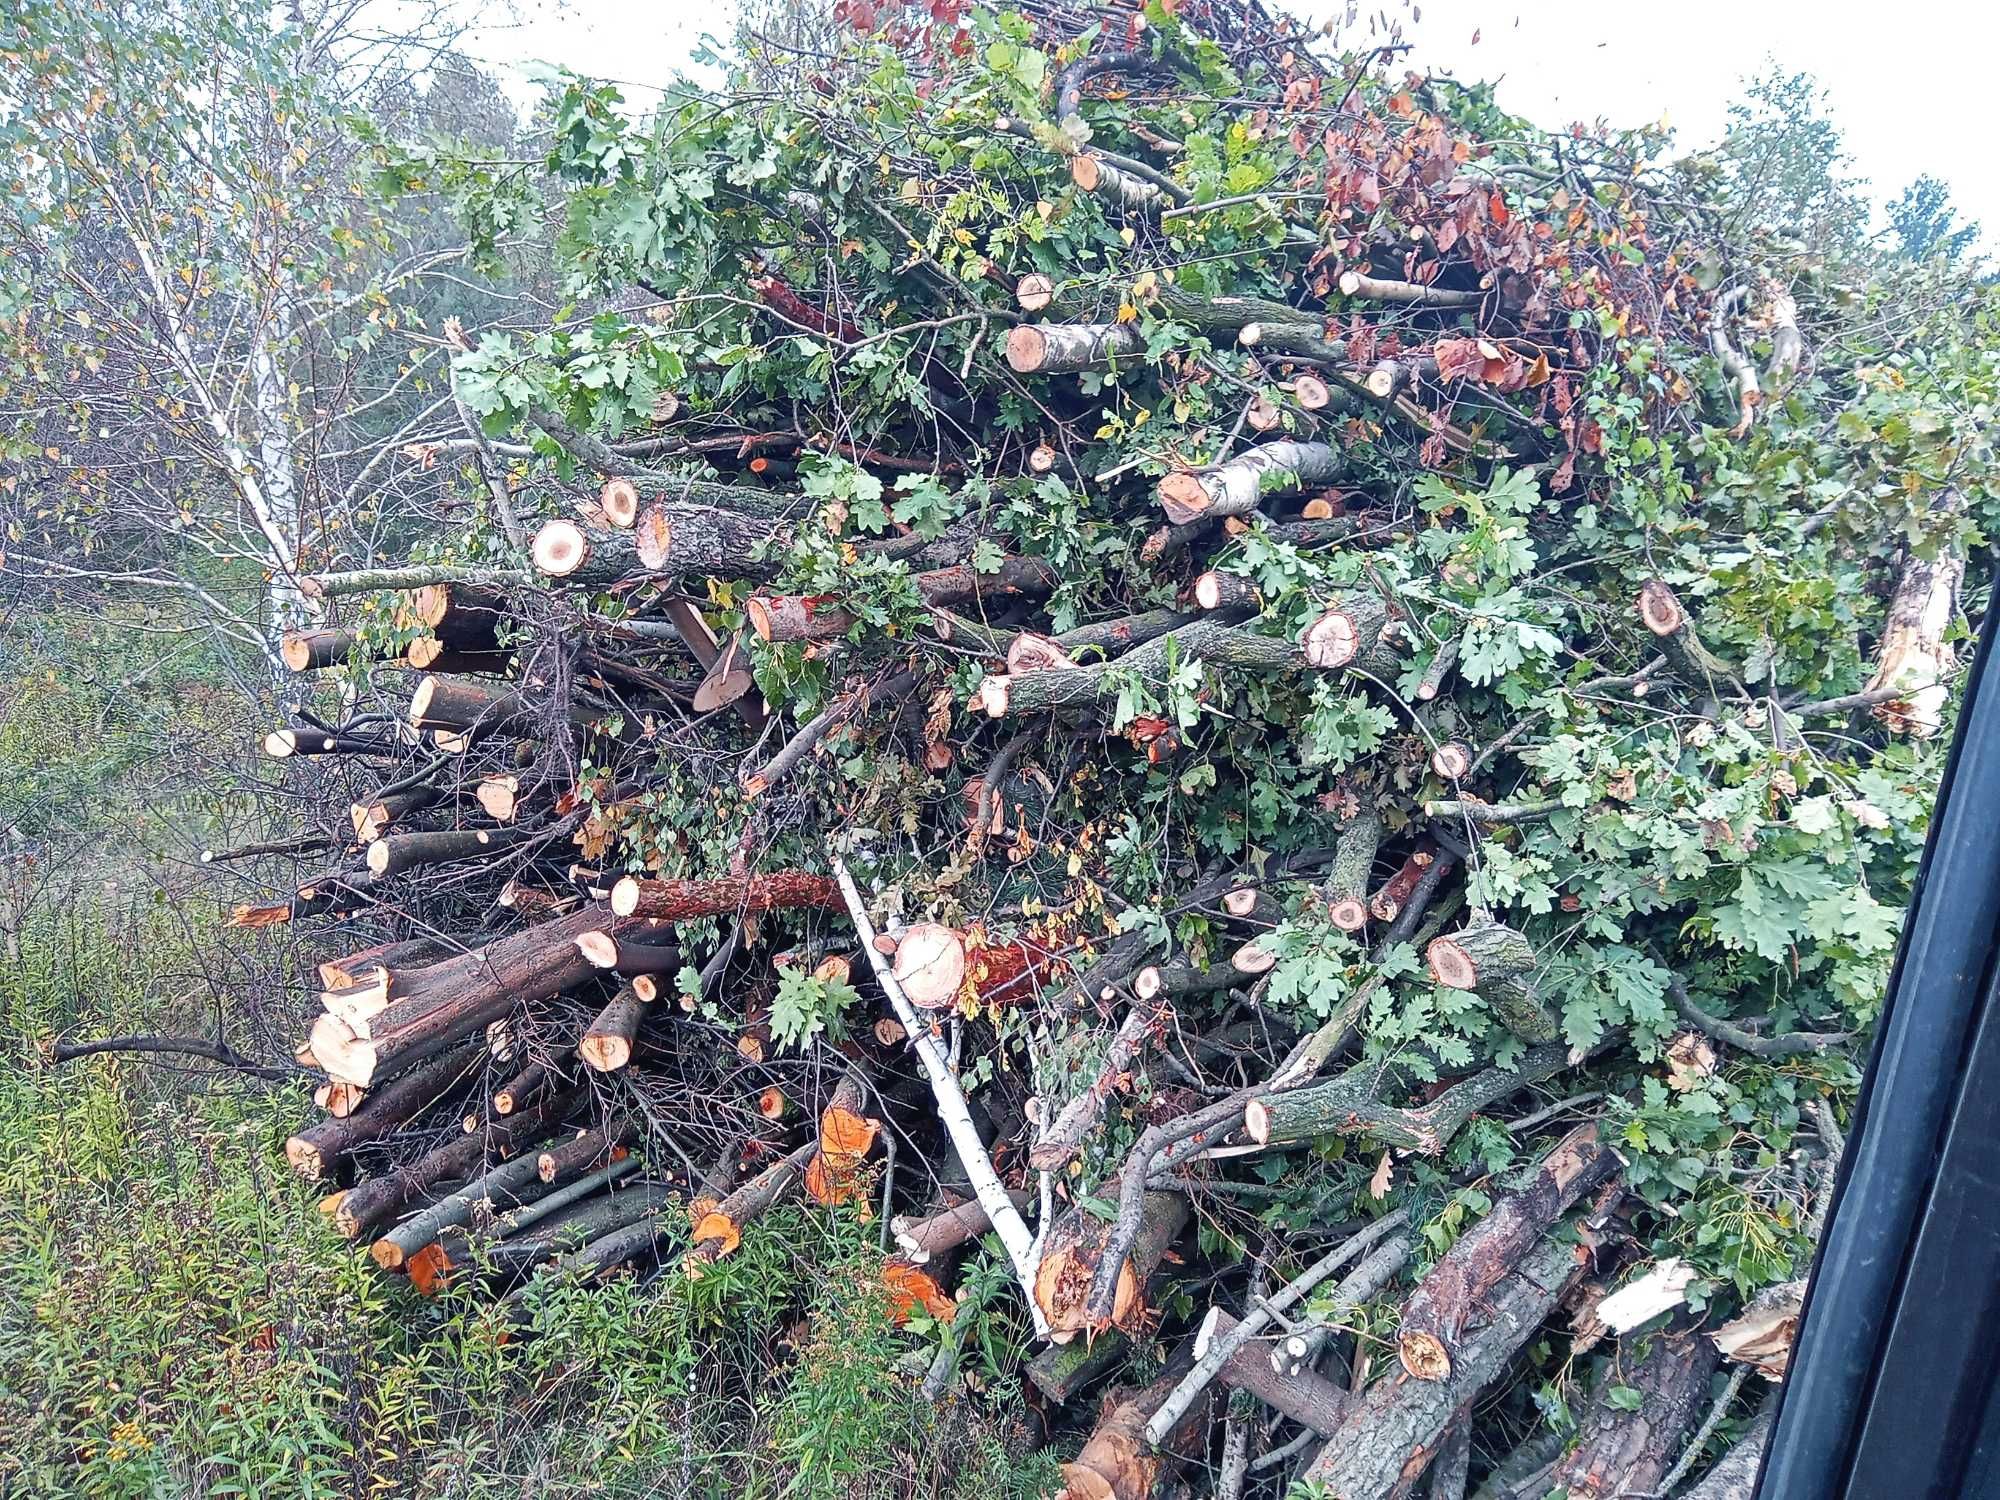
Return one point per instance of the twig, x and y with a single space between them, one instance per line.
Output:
1255 1319
180 1046
1692 1453
1791 1044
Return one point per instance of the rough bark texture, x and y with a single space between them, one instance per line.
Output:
1446 1303
1395 1427
1626 1452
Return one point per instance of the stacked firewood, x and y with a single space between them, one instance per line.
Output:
572 873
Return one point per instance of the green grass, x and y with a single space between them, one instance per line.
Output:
176 1319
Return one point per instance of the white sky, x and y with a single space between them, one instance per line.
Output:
1907 85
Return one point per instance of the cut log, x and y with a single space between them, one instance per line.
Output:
360 966
1387 903
409 851
720 1230
1345 890
317 1151
1117 1463
1253 958
1692 662
1627 1449
1219 591
499 796
1396 1425
607 1042
926 1239
731 895
1437 1314
1346 1105
688 541
1070 1259
1127 190
524 1088
1452 760
1175 980
1346 633
450 703
797 617
1375 289
1084 688
1302 1395
379 1198
619 502
930 965
1064 348
310 650
1480 955
370 820
1238 487
625 957
552 1216
492 1191
281 744
460 996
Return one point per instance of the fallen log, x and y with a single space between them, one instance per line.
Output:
1446 1302
1239 486
460 996
317 1150
687 900
366 1205
1623 1449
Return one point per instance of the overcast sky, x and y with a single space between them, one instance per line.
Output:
1908 84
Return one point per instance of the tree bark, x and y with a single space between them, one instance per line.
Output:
1066 348
1394 1429
687 900
458 997
1627 1452
1432 1334
1239 486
